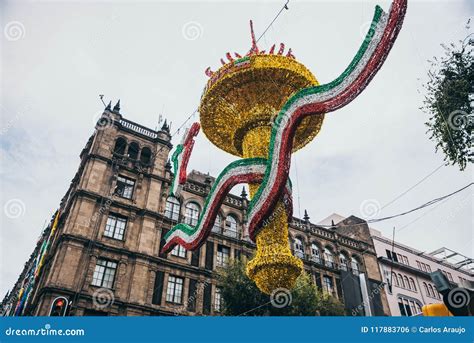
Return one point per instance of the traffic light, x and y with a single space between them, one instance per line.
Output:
59 307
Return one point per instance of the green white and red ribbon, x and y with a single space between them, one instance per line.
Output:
180 158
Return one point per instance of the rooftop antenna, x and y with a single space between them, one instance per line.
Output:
101 96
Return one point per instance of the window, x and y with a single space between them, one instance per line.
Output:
400 280
437 293
343 262
124 187
402 307
425 286
328 258
327 283
191 215
406 282
355 266
104 273
179 251
217 224
115 226
218 300
412 307
174 291
395 279
231 226
223 254
172 208
408 307
315 254
145 156
412 284
405 260
389 253
120 145
423 266
133 149
299 248
431 291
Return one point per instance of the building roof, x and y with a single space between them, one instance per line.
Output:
443 256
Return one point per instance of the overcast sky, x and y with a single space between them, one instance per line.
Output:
57 57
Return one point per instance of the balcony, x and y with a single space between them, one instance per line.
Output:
299 254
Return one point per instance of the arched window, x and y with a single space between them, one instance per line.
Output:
355 266
191 214
400 280
437 293
120 145
412 283
431 291
172 208
299 247
133 149
217 224
145 156
328 258
315 253
425 286
231 226
343 262
407 283
395 279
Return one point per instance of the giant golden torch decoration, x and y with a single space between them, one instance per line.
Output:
262 107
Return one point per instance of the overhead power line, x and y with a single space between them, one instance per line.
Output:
429 203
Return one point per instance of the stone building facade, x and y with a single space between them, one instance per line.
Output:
104 257
407 272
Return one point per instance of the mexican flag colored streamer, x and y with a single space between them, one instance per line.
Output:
180 158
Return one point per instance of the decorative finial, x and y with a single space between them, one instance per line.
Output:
244 193
109 106
165 127
306 217
254 49
117 107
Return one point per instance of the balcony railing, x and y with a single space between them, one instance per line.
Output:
299 253
138 128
